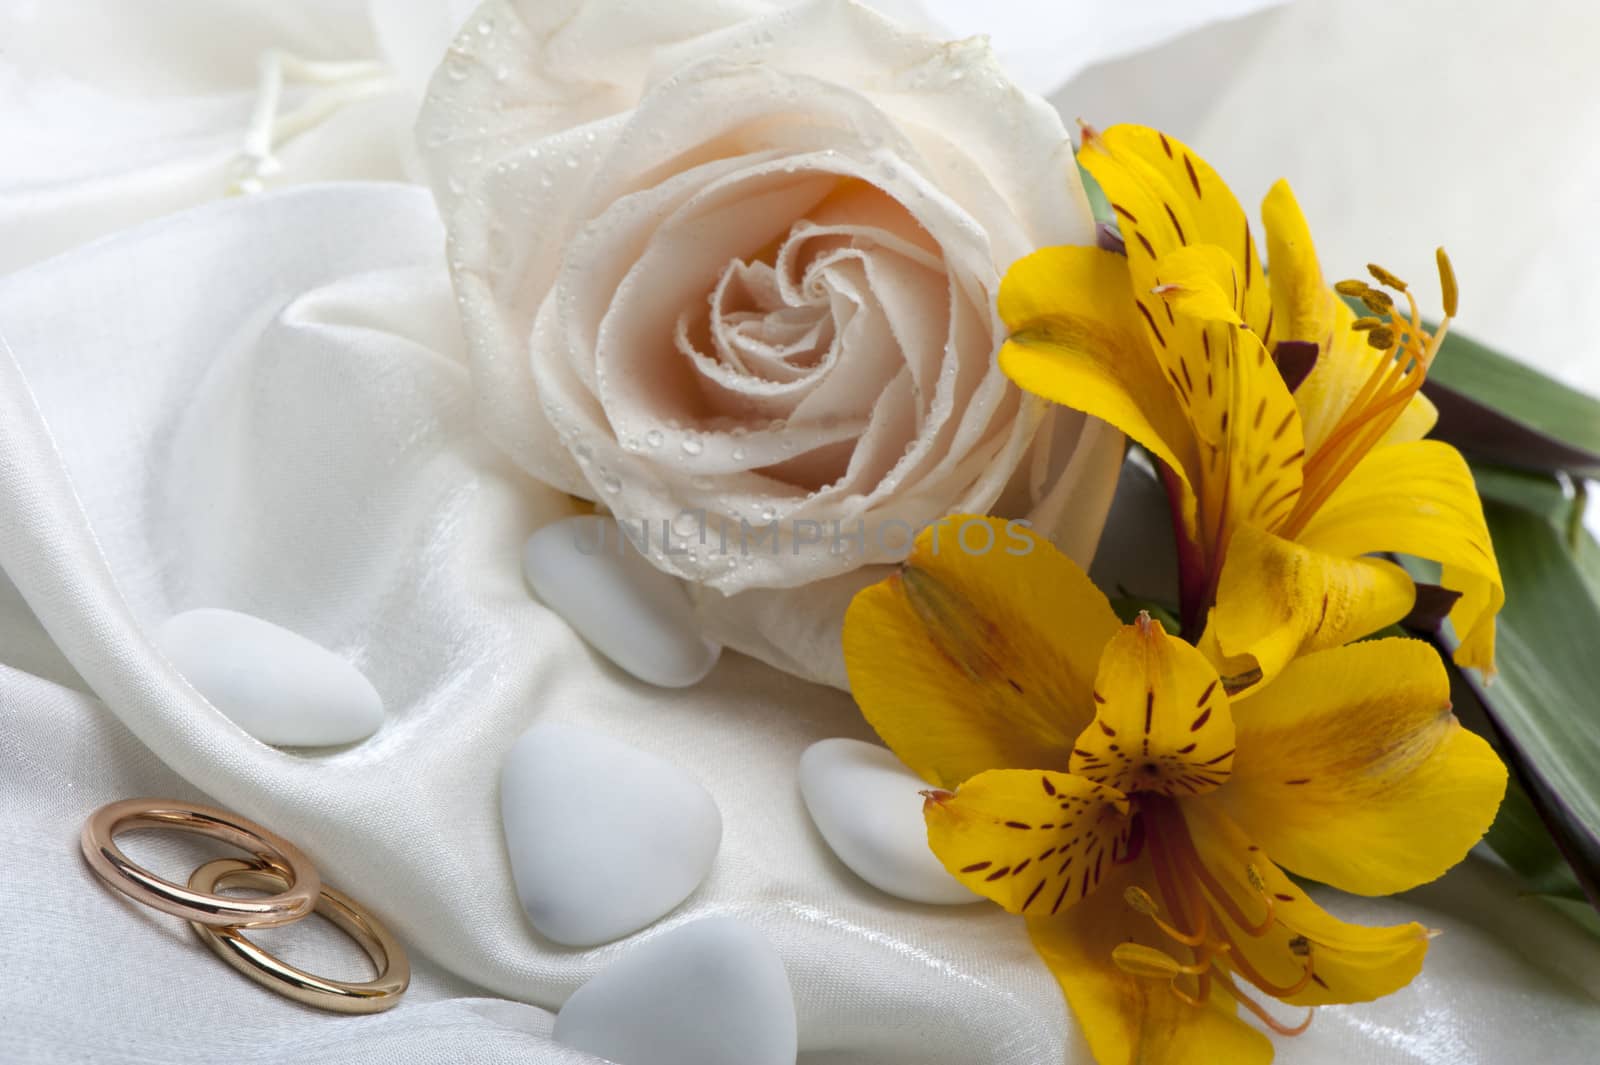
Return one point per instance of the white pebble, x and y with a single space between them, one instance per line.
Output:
868 806
278 686
639 617
713 992
604 838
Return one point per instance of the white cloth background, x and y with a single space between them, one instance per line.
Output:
260 404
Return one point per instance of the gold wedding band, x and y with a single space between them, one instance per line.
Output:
296 878
229 944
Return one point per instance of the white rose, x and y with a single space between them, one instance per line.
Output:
741 261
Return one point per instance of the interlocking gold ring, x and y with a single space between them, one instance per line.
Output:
298 880
229 944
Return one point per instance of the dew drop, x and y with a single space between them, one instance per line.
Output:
692 445
653 438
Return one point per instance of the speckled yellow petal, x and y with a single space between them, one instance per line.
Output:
1307 957
1034 841
1419 499
1161 719
1352 770
1131 1020
1242 415
1166 197
1278 599
979 653
1200 281
1075 340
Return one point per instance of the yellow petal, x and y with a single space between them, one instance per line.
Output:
1247 428
980 653
1130 1020
1075 340
1161 719
1165 197
1278 599
1306 308
1034 841
1302 303
1352 770
1348 962
1235 400
1200 281
1419 499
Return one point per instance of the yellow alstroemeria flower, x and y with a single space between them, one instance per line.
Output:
1097 778
1279 493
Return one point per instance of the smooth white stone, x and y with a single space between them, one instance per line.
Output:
713 992
604 838
277 685
587 571
868 806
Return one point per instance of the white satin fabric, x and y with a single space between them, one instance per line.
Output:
263 404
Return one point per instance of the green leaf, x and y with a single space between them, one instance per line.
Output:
1497 409
1544 706
1561 502
1518 836
1128 608
1098 204
1581 542
1542 493
1546 828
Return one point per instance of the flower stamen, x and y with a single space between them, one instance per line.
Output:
1260 1011
1136 959
1141 901
1191 869
1261 983
1189 891
1408 350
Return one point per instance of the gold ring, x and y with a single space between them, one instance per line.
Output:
298 879
229 944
